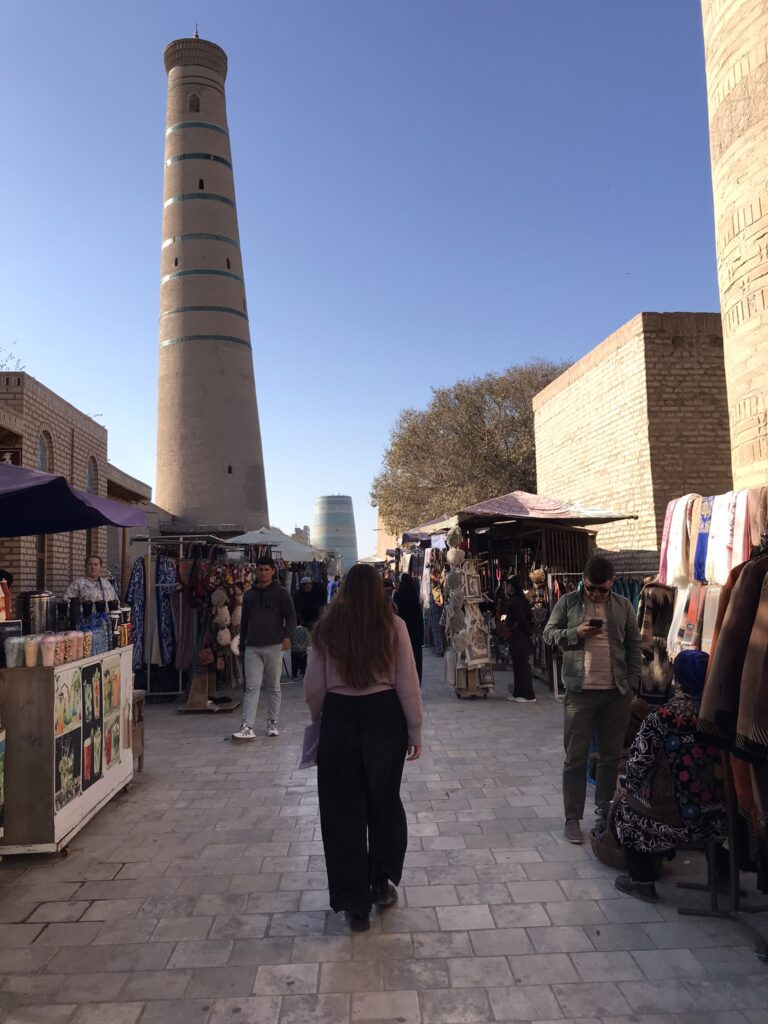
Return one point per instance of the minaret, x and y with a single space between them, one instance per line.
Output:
210 468
736 50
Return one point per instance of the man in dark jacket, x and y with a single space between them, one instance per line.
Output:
266 630
309 601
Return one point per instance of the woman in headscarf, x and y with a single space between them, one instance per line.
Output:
361 685
673 793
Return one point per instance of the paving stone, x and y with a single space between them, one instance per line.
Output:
221 982
73 934
59 912
410 919
559 939
311 950
12 936
65 988
113 910
26 960
108 1013
239 926
523 915
370 1007
129 929
476 972
667 963
52 1014
358 976
123 957
500 942
542 969
524 1002
604 966
254 1010
416 974
177 929
15 911
151 985
284 979
181 1011
618 936
578 912
203 953
431 895
464 918
315 1009
367 946
455 1006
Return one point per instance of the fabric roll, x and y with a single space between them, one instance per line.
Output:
742 538
679 541
695 511
665 540
711 605
720 547
678 615
702 540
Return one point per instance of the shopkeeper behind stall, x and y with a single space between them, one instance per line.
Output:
93 586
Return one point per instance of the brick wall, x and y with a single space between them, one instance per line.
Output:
640 419
74 439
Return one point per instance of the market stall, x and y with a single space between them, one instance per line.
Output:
65 697
523 535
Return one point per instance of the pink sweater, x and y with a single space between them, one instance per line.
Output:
322 677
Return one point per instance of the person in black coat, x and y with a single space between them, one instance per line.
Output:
515 627
408 607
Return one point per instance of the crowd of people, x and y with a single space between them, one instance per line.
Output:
359 646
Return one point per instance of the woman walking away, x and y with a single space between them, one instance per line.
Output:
408 607
361 683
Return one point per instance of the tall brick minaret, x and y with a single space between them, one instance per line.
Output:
736 49
210 468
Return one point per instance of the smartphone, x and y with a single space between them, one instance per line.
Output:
596 623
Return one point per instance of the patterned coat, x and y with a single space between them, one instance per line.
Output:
674 793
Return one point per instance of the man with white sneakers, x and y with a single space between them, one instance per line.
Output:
266 630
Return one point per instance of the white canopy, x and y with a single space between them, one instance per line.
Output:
291 550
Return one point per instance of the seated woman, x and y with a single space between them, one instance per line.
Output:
673 792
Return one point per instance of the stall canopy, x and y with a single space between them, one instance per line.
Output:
290 550
519 505
32 503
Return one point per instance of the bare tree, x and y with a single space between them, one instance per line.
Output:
9 360
475 440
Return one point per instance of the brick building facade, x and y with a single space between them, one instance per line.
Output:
641 418
40 430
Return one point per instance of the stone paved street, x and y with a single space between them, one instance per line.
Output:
200 897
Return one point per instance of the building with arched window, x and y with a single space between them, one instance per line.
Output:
40 430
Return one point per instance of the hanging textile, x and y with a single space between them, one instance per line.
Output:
679 541
702 541
665 540
742 540
165 580
136 596
720 547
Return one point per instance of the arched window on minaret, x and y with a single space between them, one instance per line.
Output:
201 184
193 103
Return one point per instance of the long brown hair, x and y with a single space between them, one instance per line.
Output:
357 629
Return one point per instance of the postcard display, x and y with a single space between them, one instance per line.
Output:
468 659
68 747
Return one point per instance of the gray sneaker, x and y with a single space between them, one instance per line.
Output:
272 729
572 831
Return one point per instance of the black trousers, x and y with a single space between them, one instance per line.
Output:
298 662
363 743
523 680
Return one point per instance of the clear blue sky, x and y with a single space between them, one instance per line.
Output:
427 189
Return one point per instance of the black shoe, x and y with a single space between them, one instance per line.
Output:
359 922
645 891
383 893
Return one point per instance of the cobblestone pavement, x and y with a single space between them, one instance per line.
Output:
200 897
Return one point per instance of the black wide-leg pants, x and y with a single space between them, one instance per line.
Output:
363 743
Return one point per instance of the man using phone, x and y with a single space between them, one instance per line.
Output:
597 632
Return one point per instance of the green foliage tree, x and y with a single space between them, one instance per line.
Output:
475 440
